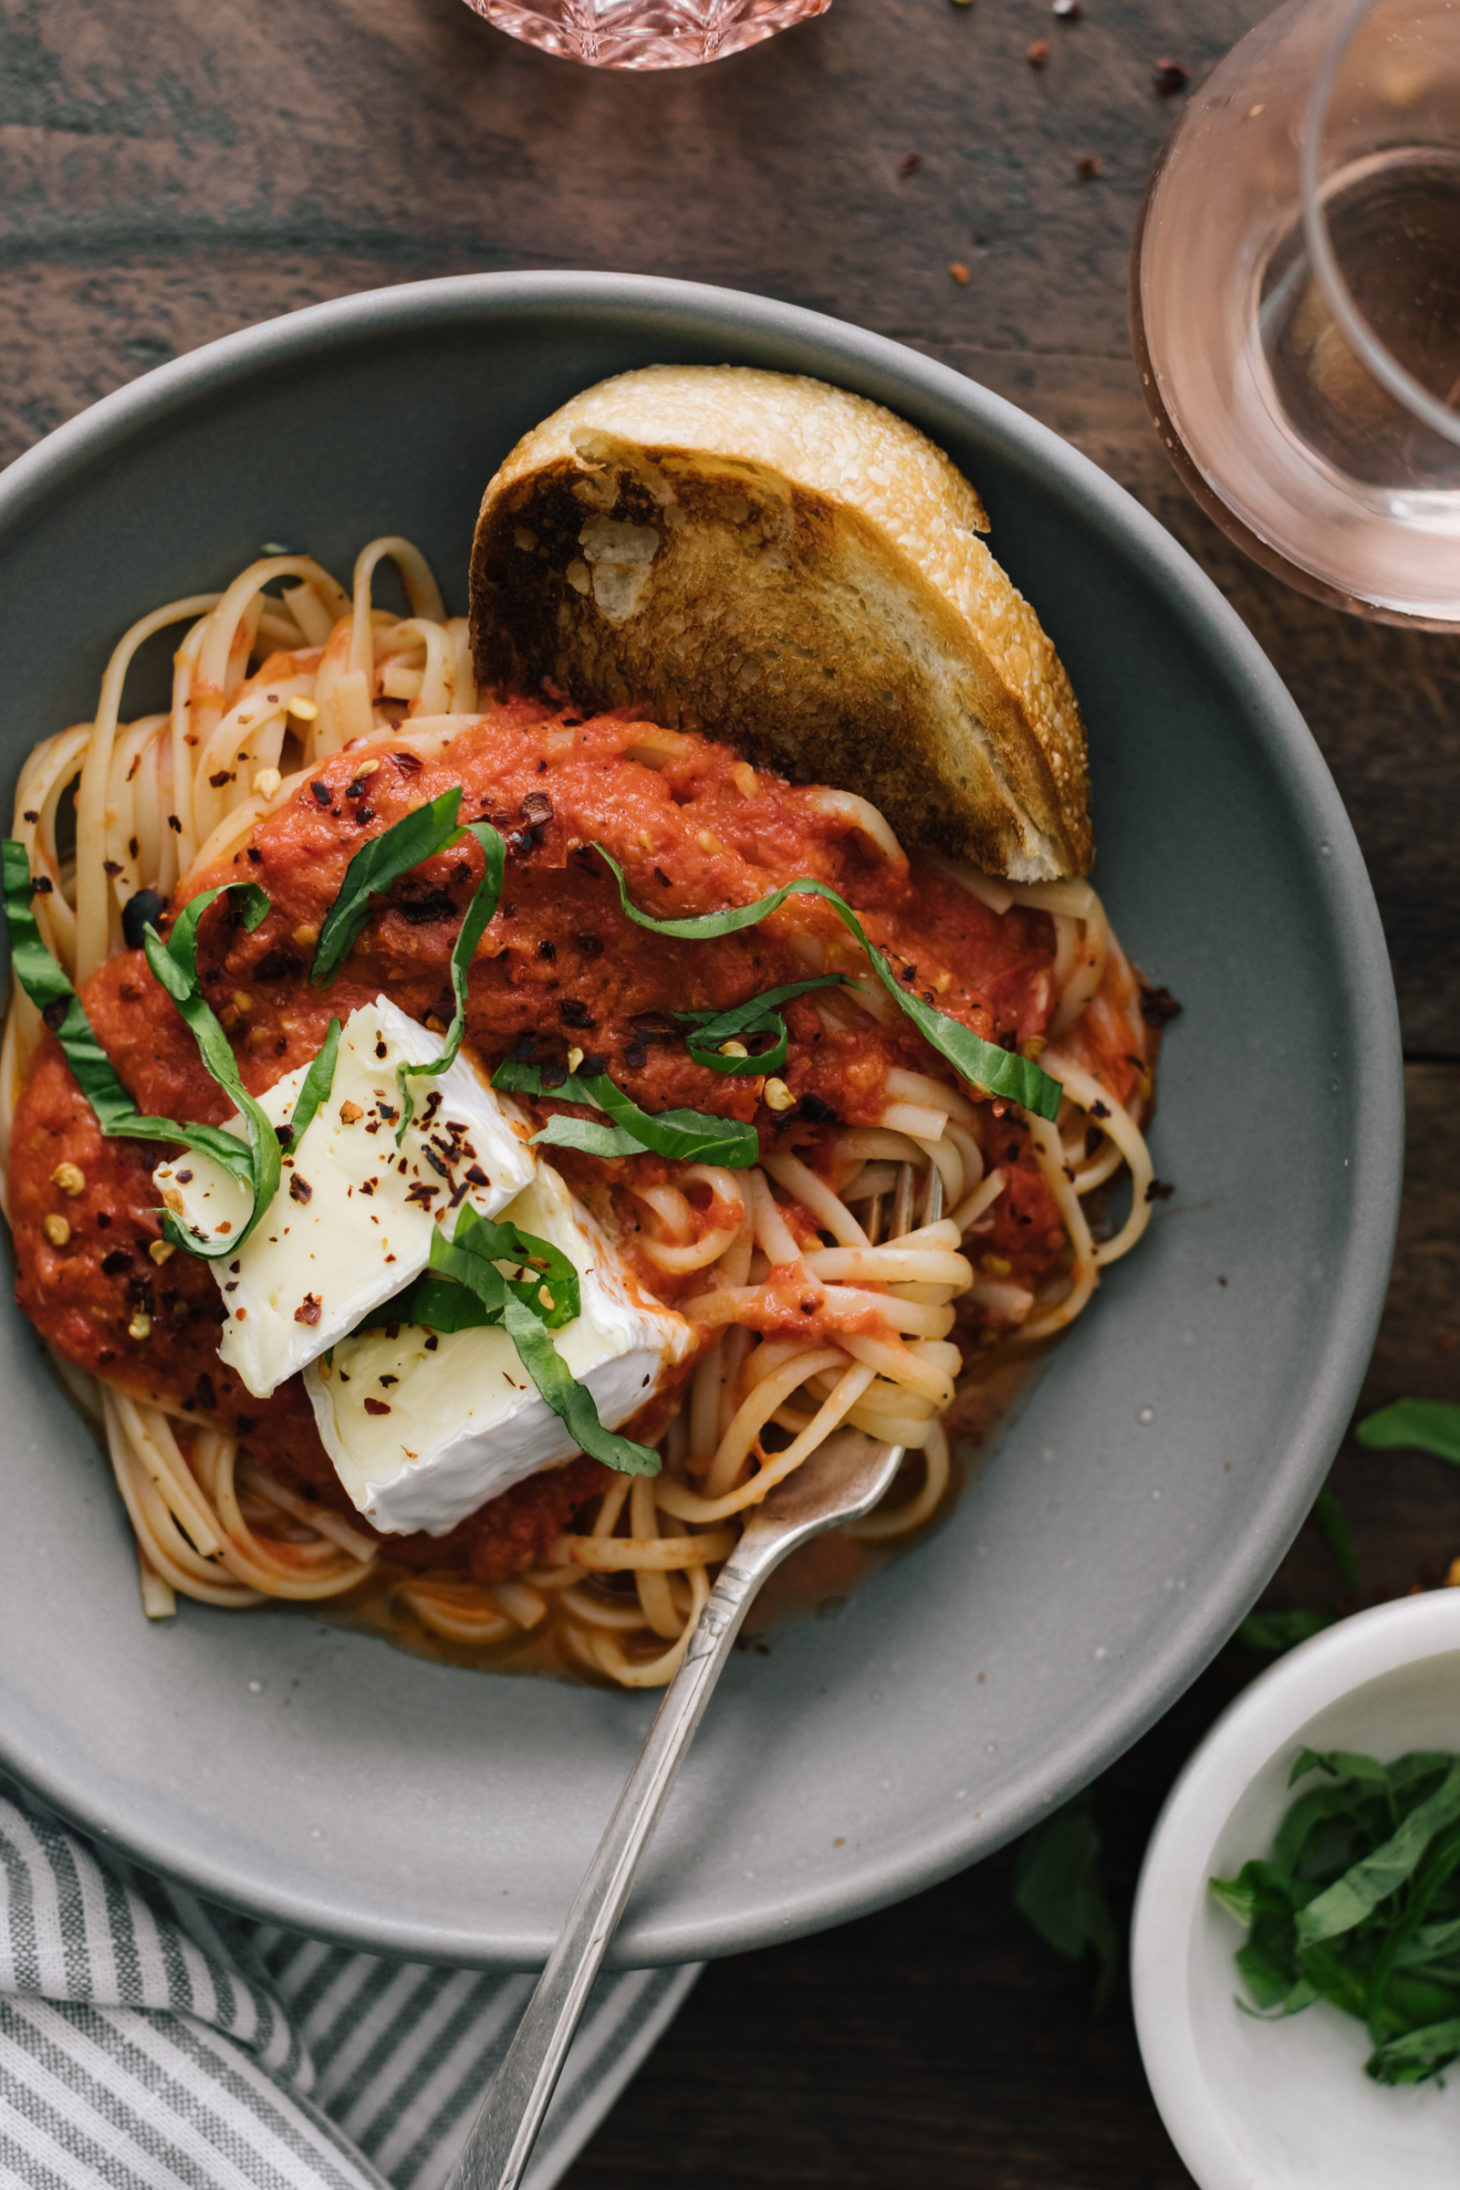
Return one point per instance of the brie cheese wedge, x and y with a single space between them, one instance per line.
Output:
352 1221
424 1426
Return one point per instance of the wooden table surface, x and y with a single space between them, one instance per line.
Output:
173 169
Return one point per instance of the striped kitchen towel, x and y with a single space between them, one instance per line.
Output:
152 2041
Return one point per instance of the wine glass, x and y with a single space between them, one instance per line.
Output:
1295 302
645 33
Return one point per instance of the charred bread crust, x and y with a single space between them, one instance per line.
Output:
792 568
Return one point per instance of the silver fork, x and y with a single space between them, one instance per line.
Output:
842 1480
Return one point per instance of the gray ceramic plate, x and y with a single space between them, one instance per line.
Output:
1162 1464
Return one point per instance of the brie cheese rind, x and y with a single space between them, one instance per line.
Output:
351 1223
423 1427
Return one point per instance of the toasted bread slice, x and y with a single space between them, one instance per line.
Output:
792 568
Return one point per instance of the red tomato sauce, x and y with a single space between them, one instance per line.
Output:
560 962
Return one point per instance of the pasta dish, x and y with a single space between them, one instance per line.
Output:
451 1139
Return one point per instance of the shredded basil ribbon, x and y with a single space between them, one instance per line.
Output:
994 1071
256 1161
315 1087
485 900
688 1136
397 851
174 965
757 1017
416 837
1359 1904
465 1290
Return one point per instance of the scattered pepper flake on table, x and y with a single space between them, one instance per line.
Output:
1037 54
1171 77
1089 167
909 163
959 272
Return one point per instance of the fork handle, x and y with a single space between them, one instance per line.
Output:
506 2127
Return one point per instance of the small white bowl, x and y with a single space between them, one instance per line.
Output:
1287 2106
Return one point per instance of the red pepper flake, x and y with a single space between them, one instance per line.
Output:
377 1406
909 163
321 793
1158 1190
308 1310
536 809
1089 167
1170 78
959 272
1037 54
300 1189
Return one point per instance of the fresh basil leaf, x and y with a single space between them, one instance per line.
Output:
520 1076
116 1114
588 1137
1417 2055
406 844
1420 1425
315 1087
987 1067
571 1401
1368 1915
174 966
1438 1943
1059 1890
1345 1764
758 1017
1323 1831
465 1289
1331 1977
251 905
481 1243
1275 1991
1273 1632
484 902
1258 1889
470 1260
438 1304
1374 1877
688 1136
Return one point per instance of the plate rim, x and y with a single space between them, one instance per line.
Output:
1102 507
